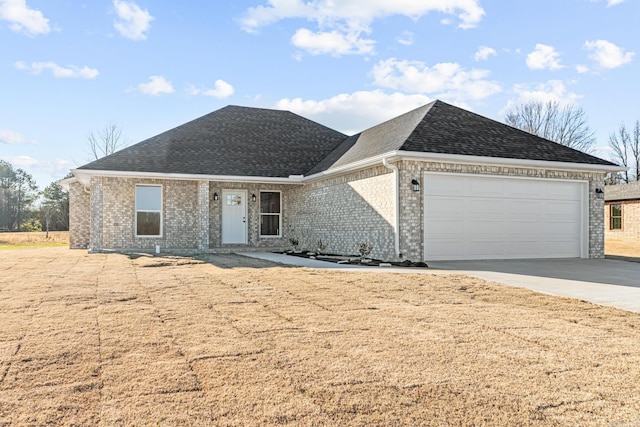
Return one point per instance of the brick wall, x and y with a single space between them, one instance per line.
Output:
79 217
340 211
113 215
344 211
630 220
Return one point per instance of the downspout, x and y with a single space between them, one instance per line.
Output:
396 196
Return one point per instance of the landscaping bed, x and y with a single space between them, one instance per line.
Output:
356 260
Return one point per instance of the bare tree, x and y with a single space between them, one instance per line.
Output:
566 125
106 141
626 151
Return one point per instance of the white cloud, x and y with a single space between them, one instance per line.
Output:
582 69
552 90
483 53
353 112
58 71
23 19
406 38
544 57
444 80
220 90
133 22
607 54
358 11
10 137
56 168
614 2
342 23
156 86
333 42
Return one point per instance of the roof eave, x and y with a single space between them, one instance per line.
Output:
85 175
462 159
503 161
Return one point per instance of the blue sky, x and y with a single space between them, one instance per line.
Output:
72 67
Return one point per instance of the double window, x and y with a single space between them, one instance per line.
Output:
270 214
149 210
615 217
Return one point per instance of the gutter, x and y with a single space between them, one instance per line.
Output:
396 194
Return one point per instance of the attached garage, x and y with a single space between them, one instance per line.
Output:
493 217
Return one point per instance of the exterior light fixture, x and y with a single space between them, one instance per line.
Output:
416 185
599 193
253 197
215 197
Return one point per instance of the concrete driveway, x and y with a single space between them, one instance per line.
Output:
602 281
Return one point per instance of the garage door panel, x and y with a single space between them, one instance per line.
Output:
448 249
440 185
488 188
477 227
525 248
441 228
502 217
524 208
563 191
517 229
524 189
446 206
487 207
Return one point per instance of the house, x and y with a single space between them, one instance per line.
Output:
436 183
622 210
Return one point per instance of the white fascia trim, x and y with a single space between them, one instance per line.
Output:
84 176
66 182
458 158
502 161
350 167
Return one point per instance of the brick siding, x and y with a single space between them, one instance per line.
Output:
341 211
630 220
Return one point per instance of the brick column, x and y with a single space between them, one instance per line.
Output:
203 216
96 215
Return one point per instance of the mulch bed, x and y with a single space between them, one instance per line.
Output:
356 260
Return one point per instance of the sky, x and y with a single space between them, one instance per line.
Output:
69 68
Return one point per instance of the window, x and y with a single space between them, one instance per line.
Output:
615 217
149 210
270 213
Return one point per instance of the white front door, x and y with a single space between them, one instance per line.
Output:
234 216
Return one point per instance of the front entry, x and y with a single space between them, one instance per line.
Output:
234 216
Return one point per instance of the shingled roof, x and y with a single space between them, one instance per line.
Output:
237 141
620 192
255 142
441 128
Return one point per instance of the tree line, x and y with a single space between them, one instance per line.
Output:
23 207
567 125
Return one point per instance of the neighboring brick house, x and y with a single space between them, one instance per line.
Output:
438 182
622 210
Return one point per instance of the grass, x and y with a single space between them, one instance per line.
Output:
33 239
108 339
626 247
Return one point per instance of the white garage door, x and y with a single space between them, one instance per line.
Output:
485 217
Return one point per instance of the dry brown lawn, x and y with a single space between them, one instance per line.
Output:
622 247
116 340
15 240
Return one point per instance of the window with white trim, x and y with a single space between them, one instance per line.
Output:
615 217
148 210
270 214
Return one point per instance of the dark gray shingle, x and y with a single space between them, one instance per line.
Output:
238 141
442 128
